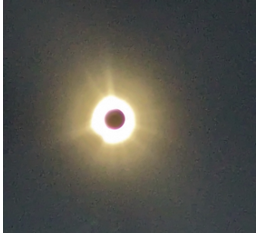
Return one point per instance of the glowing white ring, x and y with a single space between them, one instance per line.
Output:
98 120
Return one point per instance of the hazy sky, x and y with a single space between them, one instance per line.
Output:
187 69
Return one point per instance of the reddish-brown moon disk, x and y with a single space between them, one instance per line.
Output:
114 119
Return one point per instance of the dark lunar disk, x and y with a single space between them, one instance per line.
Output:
115 119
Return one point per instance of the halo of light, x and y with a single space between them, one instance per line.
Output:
98 120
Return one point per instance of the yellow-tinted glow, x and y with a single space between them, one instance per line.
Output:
98 120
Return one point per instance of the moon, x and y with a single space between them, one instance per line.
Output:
113 119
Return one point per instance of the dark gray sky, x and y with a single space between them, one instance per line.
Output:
189 68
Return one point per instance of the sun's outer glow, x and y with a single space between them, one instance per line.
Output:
98 120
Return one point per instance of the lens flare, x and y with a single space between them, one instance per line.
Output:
99 125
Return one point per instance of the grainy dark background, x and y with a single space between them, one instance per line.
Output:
204 50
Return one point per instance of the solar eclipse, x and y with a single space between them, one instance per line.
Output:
113 119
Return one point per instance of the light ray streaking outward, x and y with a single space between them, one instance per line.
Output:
99 125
